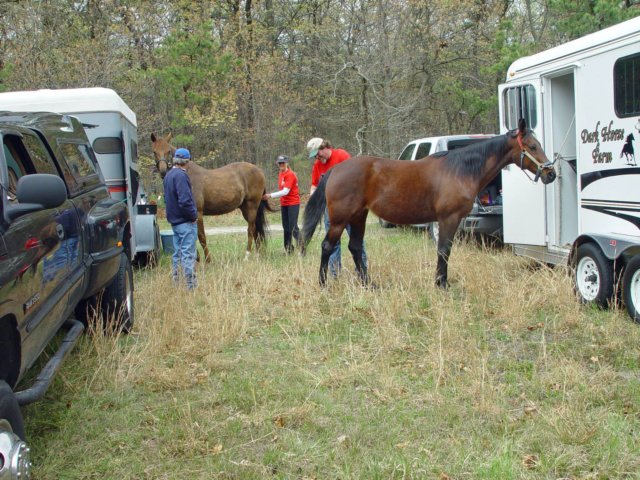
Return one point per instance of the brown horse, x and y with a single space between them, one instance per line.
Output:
221 190
441 187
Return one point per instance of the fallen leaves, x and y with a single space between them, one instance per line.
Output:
530 461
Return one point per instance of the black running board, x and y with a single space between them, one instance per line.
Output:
45 377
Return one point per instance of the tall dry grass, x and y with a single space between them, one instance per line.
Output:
261 373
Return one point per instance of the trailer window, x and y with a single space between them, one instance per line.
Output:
626 86
520 102
107 145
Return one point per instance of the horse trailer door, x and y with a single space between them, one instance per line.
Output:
524 205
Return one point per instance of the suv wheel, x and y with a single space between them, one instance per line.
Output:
117 300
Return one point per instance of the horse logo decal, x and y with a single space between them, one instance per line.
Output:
627 150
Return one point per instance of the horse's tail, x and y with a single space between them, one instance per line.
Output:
266 205
313 212
262 225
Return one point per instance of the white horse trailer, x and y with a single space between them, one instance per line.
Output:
111 127
582 99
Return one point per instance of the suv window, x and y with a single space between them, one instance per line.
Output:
626 87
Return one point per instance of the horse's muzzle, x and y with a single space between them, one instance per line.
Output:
548 176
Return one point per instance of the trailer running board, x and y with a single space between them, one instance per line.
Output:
542 254
45 377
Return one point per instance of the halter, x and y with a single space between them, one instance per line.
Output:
524 153
168 160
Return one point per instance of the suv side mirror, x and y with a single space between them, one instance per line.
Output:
38 191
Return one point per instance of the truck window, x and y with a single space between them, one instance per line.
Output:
423 150
520 102
79 166
626 86
407 152
39 155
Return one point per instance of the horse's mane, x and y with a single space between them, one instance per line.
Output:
470 160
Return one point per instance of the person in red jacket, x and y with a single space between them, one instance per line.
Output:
289 196
327 157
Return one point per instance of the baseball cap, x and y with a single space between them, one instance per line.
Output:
181 155
282 159
313 146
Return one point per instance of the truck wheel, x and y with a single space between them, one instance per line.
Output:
433 229
593 276
631 288
14 452
117 300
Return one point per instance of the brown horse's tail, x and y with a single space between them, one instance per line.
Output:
262 225
313 212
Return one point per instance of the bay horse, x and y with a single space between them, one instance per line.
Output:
221 190
441 187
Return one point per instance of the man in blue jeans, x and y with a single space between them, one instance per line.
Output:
182 215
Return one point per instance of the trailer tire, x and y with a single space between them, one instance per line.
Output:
593 276
117 300
631 288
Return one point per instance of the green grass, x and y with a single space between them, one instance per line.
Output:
262 374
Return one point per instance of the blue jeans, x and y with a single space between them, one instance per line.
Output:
335 259
184 253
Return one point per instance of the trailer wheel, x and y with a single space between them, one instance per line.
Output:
593 276
117 300
631 288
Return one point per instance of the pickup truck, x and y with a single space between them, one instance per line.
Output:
64 261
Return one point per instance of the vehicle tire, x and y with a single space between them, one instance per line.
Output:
10 410
631 288
117 299
385 224
433 230
14 452
593 276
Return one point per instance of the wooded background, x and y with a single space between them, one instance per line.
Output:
250 79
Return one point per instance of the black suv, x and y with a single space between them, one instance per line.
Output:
64 259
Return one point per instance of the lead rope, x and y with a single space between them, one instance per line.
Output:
558 156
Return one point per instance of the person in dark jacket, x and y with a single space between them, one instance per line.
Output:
182 215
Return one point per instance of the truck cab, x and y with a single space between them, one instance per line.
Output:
63 248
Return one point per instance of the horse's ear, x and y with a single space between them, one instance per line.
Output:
168 137
522 126
153 138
